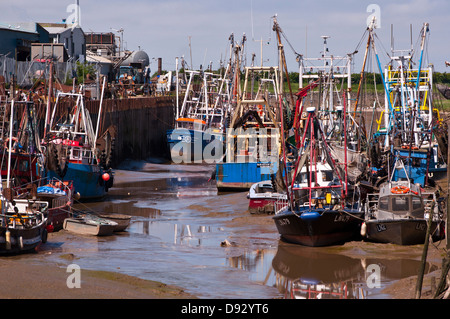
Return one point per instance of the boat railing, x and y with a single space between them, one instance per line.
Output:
280 204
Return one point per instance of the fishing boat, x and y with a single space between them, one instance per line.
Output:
319 215
22 223
20 144
89 224
71 151
59 195
399 213
263 197
253 138
409 124
200 121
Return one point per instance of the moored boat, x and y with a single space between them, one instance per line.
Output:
199 124
89 224
399 214
58 194
122 220
72 153
22 225
263 198
319 215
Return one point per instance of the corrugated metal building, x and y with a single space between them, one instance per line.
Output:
16 39
72 36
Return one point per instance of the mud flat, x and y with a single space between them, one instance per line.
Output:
33 277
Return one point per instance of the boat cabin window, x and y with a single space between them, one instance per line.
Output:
416 202
23 166
304 177
265 189
76 153
327 176
400 203
191 125
383 203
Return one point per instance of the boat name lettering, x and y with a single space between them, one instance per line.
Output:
381 227
420 226
283 222
341 218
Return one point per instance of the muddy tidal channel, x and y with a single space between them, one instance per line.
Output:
178 228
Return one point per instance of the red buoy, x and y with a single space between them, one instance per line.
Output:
105 177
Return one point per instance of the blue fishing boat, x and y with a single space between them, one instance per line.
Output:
199 124
192 142
409 124
71 152
253 148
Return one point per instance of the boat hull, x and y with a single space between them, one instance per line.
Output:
123 221
87 180
82 227
56 217
193 146
262 205
242 176
23 240
318 227
400 232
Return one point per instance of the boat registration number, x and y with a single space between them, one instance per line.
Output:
283 221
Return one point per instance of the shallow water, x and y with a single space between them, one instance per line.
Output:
179 222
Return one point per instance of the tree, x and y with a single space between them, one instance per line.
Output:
85 70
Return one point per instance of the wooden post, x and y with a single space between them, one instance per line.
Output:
442 282
447 228
424 253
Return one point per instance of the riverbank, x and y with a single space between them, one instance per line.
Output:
32 277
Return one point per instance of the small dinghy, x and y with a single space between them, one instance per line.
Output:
122 220
89 224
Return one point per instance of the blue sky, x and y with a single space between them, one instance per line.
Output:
162 28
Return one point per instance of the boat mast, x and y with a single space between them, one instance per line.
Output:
8 175
49 98
425 29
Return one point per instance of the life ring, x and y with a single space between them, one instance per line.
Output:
6 144
260 110
399 189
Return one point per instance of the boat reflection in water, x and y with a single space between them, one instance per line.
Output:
178 234
311 273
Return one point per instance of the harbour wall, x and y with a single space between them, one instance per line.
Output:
138 126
